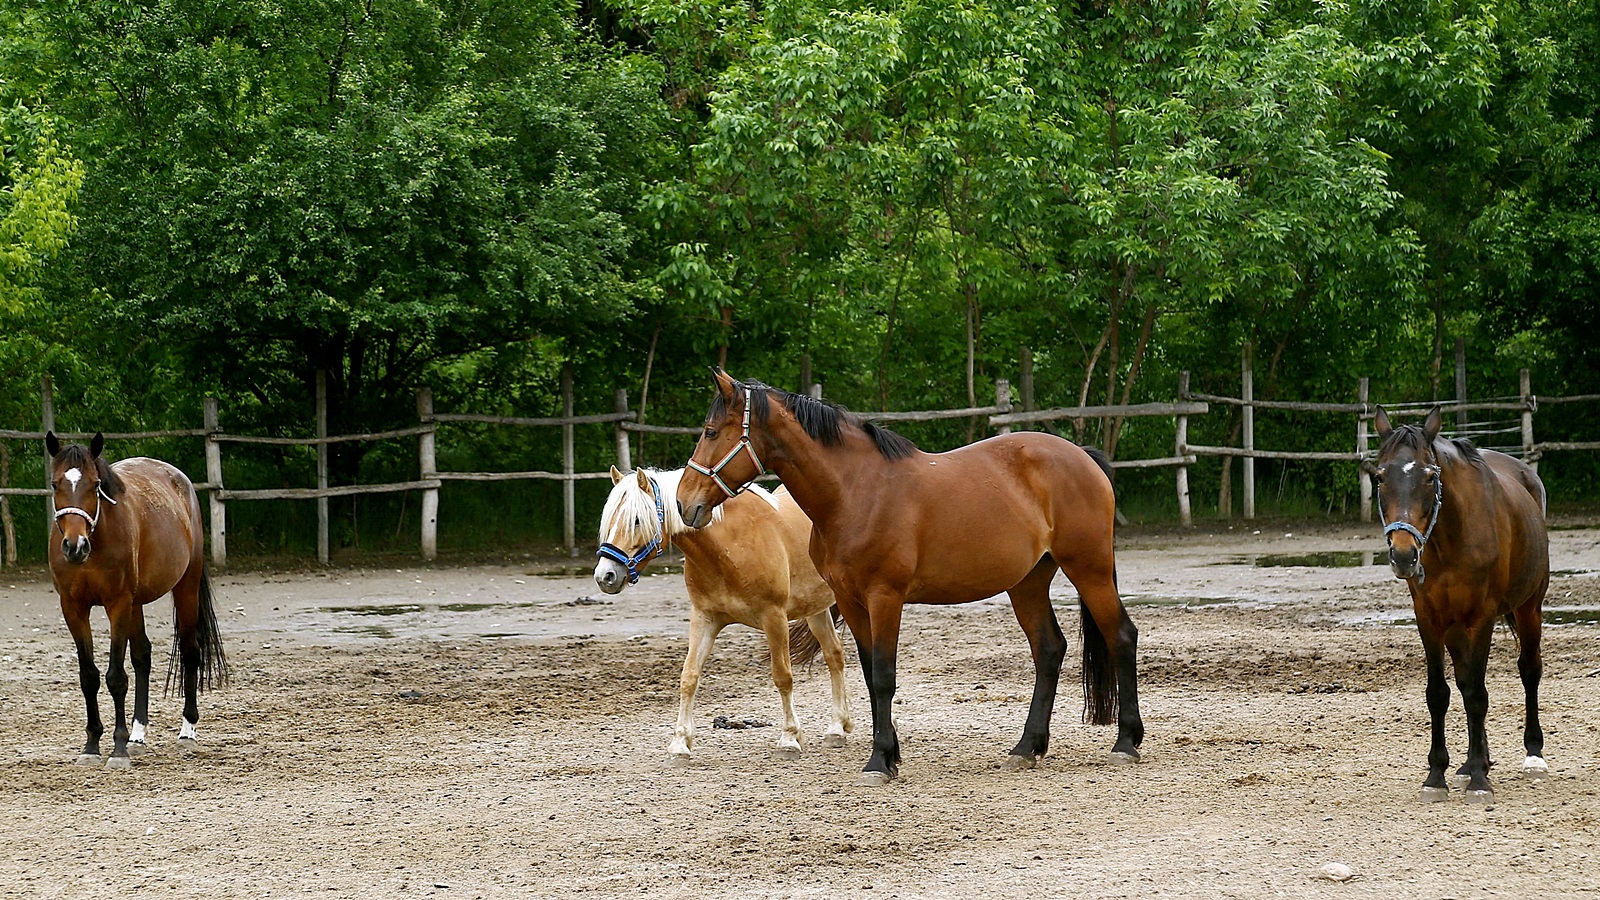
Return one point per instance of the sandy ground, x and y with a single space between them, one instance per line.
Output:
487 732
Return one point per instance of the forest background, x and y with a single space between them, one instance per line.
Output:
221 199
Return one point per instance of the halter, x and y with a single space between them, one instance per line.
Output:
93 520
1422 537
715 472
609 550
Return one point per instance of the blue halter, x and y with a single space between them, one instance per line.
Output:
612 551
1422 537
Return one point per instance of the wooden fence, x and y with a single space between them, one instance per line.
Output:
1002 416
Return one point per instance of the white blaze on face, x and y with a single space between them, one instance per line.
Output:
73 476
1408 466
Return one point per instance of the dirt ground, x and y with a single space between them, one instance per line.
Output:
486 731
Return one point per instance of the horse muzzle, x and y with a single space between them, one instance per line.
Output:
696 515
610 576
1406 564
75 550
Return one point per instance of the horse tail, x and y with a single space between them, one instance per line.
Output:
804 648
1100 701
213 661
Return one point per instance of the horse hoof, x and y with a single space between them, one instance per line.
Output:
1016 763
119 762
873 779
1118 758
1481 797
1458 781
789 753
833 739
1434 795
90 759
1535 768
679 760
136 749
188 744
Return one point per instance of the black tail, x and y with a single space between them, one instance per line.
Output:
213 661
803 645
1099 677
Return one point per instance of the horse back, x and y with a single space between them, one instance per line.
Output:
1515 500
164 528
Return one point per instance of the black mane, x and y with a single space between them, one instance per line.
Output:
77 456
821 419
1415 438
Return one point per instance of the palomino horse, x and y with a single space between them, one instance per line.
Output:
750 568
893 525
130 533
1466 531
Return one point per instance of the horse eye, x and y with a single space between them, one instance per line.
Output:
711 434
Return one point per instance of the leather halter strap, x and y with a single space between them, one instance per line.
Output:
715 472
76 511
611 551
1421 536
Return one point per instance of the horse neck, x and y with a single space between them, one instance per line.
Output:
673 526
818 477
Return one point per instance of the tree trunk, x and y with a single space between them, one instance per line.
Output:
1133 375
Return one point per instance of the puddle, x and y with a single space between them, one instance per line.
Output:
1569 573
1324 559
1402 618
1183 602
399 609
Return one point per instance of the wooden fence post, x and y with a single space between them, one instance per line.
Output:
219 507
322 467
1249 396
8 528
428 469
1002 399
624 448
1525 388
1185 517
569 503
815 391
1363 388
47 413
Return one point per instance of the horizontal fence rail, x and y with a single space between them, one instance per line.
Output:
1001 416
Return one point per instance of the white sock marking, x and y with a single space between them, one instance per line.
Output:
136 736
187 732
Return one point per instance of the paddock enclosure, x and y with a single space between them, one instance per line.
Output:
500 731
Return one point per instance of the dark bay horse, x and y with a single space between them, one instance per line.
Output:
1466 532
893 525
123 535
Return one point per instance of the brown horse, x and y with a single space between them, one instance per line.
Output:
893 525
750 567
128 534
1466 531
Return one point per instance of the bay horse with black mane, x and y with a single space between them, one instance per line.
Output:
1466 532
123 535
893 525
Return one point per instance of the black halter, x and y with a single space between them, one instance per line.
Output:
609 550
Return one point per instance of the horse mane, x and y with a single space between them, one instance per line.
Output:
823 420
1414 438
77 456
626 503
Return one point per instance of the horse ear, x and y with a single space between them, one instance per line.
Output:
725 383
52 444
1430 428
96 444
644 480
1381 423
616 476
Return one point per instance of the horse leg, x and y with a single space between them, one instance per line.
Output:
776 628
1472 665
77 618
821 625
1110 656
118 611
702 634
1434 788
139 650
883 612
186 617
1030 601
1530 665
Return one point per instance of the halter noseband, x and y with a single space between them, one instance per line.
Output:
611 551
93 520
715 472
1422 537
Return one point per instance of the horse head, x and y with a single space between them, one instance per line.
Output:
1409 486
724 461
82 487
633 529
